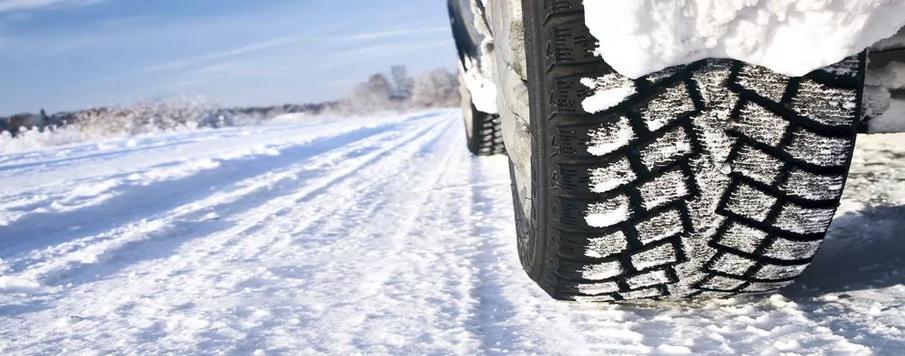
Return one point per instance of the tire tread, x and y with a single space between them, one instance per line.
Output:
666 174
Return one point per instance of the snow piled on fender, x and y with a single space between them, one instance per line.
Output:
480 86
792 37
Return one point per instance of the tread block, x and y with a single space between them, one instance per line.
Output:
761 125
602 271
612 176
756 164
819 150
828 106
663 75
668 187
723 283
742 237
659 227
667 107
598 288
763 82
608 91
792 250
609 137
779 272
641 293
609 212
668 149
846 69
648 279
712 84
658 256
732 264
812 186
747 201
804 221
713 136
605 246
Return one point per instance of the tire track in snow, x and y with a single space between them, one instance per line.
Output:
396 243
360 238
86 154
185 218
161 195
223 251
169 171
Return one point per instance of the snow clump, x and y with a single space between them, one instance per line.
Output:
792 37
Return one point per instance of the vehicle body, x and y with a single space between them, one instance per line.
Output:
711 179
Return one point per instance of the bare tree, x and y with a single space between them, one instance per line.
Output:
402 83
370 96
433 89
436 88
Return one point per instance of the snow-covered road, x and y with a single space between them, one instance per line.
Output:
373 236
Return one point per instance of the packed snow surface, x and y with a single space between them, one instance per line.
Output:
792 37
377 235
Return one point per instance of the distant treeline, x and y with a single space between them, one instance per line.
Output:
203 117
432 89
400 92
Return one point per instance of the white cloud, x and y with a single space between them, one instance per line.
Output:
251 48
284 41
13 5
394 33
389 49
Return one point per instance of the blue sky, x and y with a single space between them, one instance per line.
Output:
71 54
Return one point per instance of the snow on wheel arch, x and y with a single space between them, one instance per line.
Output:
792 37
479 85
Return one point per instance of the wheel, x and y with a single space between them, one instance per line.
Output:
712 179
483 132
482 129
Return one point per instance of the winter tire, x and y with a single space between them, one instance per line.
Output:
482 130
713 179
483 133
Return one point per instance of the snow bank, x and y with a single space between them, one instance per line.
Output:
151 117
29 140
33 139
792 37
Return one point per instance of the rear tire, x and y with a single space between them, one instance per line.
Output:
483 131
713 179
